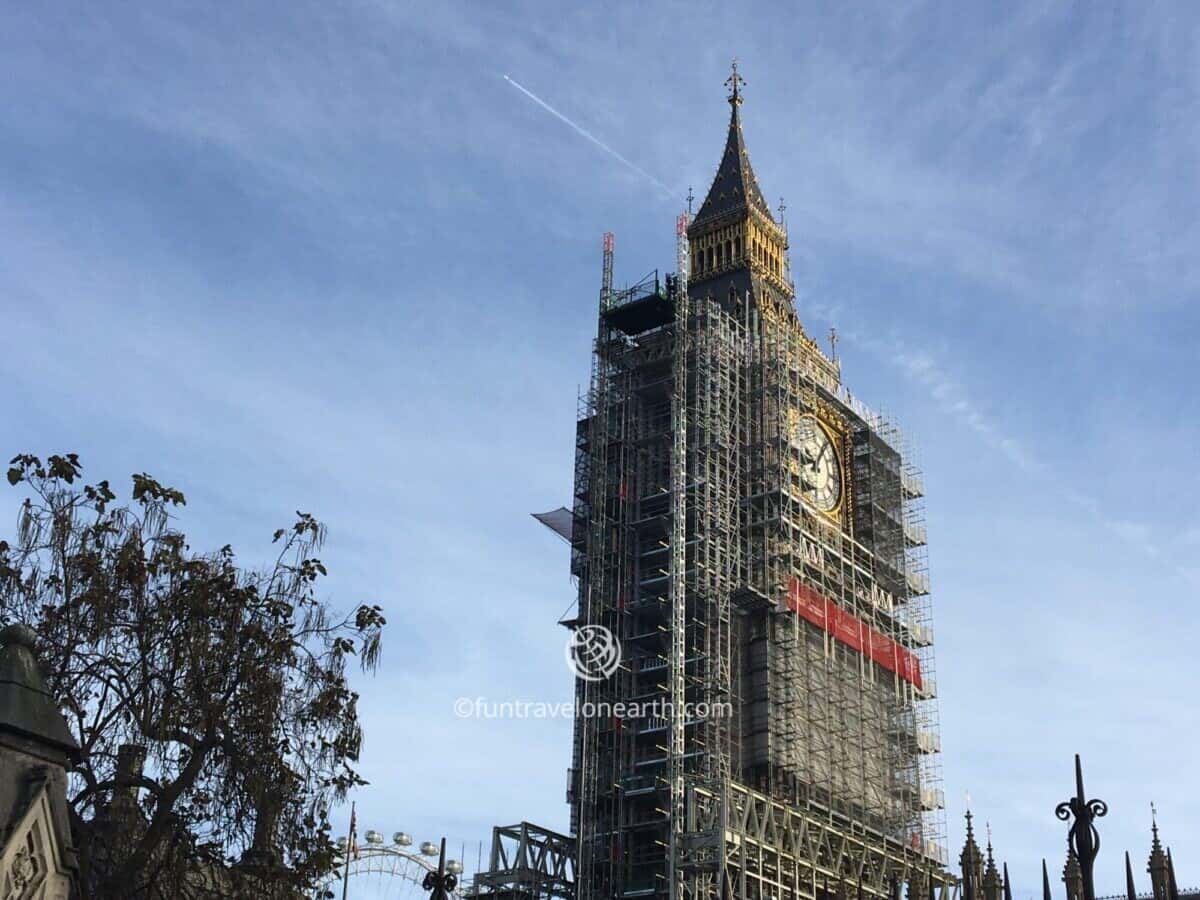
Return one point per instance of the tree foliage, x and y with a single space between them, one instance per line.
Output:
232 680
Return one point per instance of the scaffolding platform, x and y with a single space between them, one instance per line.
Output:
638 309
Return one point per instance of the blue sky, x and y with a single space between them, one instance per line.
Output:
327 258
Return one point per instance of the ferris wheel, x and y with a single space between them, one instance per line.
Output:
376 870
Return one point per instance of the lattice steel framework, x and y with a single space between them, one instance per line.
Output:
527 862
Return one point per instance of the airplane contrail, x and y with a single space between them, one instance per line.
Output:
583 132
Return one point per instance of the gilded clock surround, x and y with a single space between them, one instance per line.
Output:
838 434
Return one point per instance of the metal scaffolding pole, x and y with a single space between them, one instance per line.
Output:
678 560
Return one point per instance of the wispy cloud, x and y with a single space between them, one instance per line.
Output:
940 385
951 396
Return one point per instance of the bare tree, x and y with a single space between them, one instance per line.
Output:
210 701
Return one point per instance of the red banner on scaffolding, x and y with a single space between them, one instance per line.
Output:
827 615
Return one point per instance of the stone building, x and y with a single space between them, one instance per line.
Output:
37 856
982 878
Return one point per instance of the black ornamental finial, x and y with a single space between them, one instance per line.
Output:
1007 884
1172 887
1130 888
734 82
1046 895
440 884
1083 839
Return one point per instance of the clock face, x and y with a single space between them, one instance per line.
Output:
820 469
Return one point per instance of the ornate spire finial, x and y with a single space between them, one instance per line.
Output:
690 198
971 862
734 82
1157 865
992 885
1083 839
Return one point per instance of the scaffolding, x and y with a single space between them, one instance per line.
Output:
527 862
657 524
790 644
696 542
824 714
677 567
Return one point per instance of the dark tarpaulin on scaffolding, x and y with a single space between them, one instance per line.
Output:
558 521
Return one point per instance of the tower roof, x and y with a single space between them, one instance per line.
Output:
734 189
26 706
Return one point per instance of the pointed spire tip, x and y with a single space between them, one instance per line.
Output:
734 82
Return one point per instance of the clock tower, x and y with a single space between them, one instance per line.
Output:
752 535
